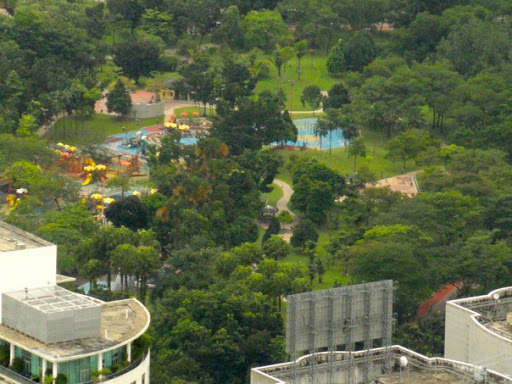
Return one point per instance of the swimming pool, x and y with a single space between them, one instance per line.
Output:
306 135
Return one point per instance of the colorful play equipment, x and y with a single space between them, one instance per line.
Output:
11 199
94 172
88 179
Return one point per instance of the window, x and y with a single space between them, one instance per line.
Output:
84 375
143 378
27 362
115 359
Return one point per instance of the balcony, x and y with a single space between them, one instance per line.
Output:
13 376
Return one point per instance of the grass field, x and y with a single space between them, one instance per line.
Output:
273 197
334 271
74 131
191 110
313 72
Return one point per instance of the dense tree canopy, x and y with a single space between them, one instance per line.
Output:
430 90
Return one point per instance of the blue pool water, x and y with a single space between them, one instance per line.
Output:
306 136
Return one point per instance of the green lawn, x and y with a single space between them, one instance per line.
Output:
273 197
191 110
74 131
313 72
333 269
306 115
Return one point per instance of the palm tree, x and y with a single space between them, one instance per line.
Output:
331 122
301 49
321 128
357 148
122 181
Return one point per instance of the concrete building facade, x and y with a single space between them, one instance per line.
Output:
477 330
46 330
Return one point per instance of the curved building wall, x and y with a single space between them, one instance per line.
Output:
467 340
138 375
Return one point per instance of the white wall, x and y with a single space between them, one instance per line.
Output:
27 268
469 341
135 375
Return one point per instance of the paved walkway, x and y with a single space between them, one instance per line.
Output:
170 106
282 205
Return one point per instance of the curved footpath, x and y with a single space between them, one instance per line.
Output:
282 204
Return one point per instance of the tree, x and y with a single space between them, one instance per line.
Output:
280 57
439 84
199 77
27 126
263 29
337 97
316 187
119 100
121 181
243 230
146 264
274 227
129 212
424 33
304 232
101 246
321 129
378 260
358 51
301 49
137 57
230 30
311 95
389 99
475 46
332 122
255 122
336 59
276 248
130 10
285 218
158 23
92 270
357 149
408 145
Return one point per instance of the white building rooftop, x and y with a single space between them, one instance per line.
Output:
377 365
12 239
53 299
121 322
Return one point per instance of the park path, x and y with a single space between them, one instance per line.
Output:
282 204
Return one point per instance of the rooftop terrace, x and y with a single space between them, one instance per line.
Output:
121 321
379 366
12 238
53 299
490 310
